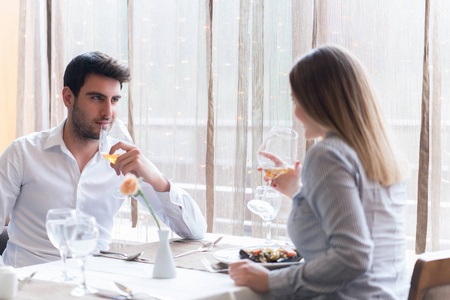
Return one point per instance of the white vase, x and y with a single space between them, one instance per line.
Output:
164 264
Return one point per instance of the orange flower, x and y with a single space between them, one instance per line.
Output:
130 185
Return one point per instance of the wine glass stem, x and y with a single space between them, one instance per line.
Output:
63 254
82 263
268 226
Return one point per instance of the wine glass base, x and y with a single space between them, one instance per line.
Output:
63 278
81 290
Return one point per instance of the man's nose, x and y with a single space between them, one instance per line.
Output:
107 109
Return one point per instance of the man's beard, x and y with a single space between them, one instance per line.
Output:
82 127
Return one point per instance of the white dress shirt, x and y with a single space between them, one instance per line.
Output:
38 173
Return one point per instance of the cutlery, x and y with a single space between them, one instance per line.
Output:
128 294
125 256
112 296
205 247
202 248
26 279
207 264
215 242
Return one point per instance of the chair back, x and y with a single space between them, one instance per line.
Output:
431 270
3 239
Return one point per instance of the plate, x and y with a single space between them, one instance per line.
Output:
231 255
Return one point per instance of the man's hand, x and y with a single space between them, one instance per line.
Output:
133 161
248 273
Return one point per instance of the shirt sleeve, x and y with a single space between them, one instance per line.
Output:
11 180
333 195
177 210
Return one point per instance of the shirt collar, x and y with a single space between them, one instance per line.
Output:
56 137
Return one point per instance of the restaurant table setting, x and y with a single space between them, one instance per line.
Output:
196 276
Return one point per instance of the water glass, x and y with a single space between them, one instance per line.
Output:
81 233
54 223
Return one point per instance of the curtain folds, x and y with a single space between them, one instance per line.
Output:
240 177
130 19
210 146
257 108
33 85
210 78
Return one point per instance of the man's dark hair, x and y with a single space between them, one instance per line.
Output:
93 63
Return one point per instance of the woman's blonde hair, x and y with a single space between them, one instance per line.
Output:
332 87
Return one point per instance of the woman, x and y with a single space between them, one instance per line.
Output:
347 217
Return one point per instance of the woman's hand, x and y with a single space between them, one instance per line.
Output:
248 273
133 161
288 183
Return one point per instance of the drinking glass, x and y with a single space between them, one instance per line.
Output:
109 136
277 154
81 233
266 203
54 223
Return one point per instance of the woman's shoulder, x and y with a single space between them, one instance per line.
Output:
332 145
332 150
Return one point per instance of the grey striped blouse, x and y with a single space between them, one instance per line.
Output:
349 229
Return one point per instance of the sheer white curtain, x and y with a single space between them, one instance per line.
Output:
254 45
9 31
32 88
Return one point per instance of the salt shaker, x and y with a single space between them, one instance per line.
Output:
8 282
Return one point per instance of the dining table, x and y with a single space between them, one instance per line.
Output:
192 280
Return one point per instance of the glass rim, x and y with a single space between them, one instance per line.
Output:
276 131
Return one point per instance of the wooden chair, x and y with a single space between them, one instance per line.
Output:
3 239
431 277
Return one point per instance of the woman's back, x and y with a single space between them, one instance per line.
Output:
349 229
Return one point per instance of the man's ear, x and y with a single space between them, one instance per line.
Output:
68 97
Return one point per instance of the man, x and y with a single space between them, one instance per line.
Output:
62 168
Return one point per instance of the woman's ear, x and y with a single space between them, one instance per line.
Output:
68 97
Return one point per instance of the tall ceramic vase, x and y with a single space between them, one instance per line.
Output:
164 264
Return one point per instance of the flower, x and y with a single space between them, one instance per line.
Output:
131 187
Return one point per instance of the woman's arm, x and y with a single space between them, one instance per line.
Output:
332 193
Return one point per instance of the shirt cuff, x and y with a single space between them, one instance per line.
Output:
174 195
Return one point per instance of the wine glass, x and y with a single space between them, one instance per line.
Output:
277 154
266 203
81 233
109 136
54 223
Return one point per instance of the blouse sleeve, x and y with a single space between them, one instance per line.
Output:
330 187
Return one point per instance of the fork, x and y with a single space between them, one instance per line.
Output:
202 248
215 242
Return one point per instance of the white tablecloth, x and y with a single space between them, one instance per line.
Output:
101 272
188 284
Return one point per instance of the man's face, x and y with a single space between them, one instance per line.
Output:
97 103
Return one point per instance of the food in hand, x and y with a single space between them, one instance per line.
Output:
270 255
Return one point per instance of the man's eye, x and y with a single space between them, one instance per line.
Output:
96 97
115 99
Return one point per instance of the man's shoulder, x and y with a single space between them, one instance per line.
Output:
36 139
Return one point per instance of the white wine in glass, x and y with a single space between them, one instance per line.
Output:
111 135
266 203
54 223
81 233
277 154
